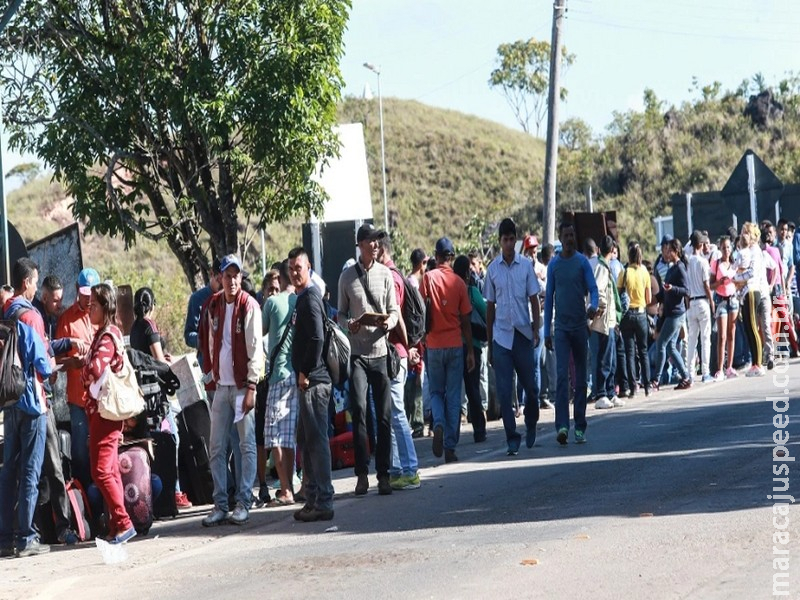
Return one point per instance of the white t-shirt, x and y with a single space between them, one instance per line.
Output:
698 272
226 376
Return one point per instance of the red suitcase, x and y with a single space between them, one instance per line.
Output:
343 451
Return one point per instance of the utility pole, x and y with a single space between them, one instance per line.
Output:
553 97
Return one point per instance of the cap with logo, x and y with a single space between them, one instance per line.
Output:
530 242
87 279
231 260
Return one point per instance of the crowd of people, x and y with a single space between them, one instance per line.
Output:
552 327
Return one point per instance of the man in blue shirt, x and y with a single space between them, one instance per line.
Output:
569 280
512 326
196 301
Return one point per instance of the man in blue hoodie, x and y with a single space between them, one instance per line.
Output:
24 421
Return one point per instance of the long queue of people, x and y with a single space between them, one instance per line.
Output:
569 327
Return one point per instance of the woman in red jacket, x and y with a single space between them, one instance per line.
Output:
105 435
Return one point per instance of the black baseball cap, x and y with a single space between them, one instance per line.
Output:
368 232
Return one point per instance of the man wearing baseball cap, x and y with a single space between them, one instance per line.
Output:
74 323
233 354
368 287
450 311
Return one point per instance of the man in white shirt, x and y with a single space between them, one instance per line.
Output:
701 307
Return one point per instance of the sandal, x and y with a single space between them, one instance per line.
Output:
684 385
279 501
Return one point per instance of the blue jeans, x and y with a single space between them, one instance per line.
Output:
23 454
312 439
223 411
79 435
404 455
519 359
445 378
669 333
575 343
591 365
537 371
605 364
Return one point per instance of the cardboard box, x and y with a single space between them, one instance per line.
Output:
188 372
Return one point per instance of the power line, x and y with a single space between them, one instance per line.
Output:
734 38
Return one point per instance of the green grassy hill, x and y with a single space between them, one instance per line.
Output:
443 168
447 174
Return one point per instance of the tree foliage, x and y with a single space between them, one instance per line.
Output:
177 120
523 76
27 171
646 156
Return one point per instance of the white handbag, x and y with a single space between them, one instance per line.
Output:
120 397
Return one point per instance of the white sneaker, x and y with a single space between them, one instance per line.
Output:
617 402
720 376
603 402
755 371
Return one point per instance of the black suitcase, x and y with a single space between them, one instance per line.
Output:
165 465
194 428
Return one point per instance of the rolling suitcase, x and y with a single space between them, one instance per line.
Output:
194 428
134 467
165 465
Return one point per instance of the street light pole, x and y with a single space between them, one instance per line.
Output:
377 71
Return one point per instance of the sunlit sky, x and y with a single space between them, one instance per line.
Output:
441 52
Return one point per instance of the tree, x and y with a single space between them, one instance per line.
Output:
27 172
523 76
178 120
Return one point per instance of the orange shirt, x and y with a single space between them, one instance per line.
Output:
75 323
449 300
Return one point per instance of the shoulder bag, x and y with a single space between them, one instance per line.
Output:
120 397
392 356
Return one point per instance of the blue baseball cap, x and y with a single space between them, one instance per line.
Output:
231 260
444 247
86 280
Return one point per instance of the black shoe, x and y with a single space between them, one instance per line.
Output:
450 456
362 485
479 437
438 441
384 486
770 364
297 514
308 515
263 496
33 548
418 433
7 552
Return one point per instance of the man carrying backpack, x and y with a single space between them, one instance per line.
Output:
314 385
403 474
24 419
368 287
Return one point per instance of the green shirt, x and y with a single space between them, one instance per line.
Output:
478 304
276 314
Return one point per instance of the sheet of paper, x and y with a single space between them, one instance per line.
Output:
239 403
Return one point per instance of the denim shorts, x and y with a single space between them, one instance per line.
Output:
725 306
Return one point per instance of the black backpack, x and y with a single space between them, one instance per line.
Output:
413 312
12 371
335 350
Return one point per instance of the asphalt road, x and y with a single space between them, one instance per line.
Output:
668 499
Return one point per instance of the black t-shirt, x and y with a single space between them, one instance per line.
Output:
144 333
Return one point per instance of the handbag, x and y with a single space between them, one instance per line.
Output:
120 396
392 356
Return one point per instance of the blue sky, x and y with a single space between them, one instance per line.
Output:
441 52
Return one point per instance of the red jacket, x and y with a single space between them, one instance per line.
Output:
248 349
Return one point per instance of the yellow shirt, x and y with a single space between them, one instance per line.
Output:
637 281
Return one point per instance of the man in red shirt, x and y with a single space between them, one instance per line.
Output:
448 303
74 323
